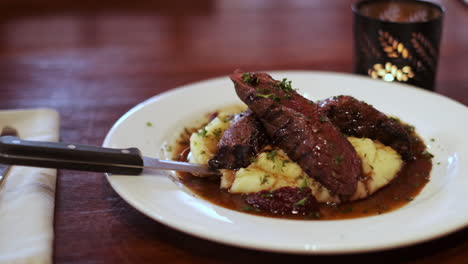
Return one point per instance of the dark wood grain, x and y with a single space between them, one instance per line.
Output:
94 60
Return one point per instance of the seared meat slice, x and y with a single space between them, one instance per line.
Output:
239 143
359 119
296 125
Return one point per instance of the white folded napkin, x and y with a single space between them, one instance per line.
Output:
27 195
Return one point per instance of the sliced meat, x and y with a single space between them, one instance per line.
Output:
359 119
239 143
297 126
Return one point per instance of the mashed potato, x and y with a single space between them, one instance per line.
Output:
272 169
204 143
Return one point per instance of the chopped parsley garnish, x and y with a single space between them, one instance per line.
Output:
272 155
249 208
339 159
427 155
253 159
432 139
264 179
323 118
314 215
228 118
301 202
250 78
410 128
285 85
217 133
284 162
269 96
202 152
305 183
168 148
149 124
202 132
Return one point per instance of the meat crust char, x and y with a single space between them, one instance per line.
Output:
239 143
359 119
297 126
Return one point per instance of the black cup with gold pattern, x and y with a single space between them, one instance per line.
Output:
398 40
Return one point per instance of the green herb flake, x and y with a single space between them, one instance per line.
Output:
269 96
253 159
264 179
284 162
168 148
202 132
339 159
272 155
323 118
427 155
202 152
432 139
228 118
438 163
301 202
250 78
410 128
285 85
249 208
305 182
217 133
149 124
314 215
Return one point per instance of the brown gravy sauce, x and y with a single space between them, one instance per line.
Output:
410 181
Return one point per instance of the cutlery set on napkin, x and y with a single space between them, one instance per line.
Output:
29 138
27 194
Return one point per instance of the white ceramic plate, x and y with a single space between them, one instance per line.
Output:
439 209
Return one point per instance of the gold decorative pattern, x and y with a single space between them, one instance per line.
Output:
390 72
392 47
368 47
424 49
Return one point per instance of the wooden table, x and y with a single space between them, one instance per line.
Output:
94 61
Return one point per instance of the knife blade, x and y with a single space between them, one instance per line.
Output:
4 168
128 161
